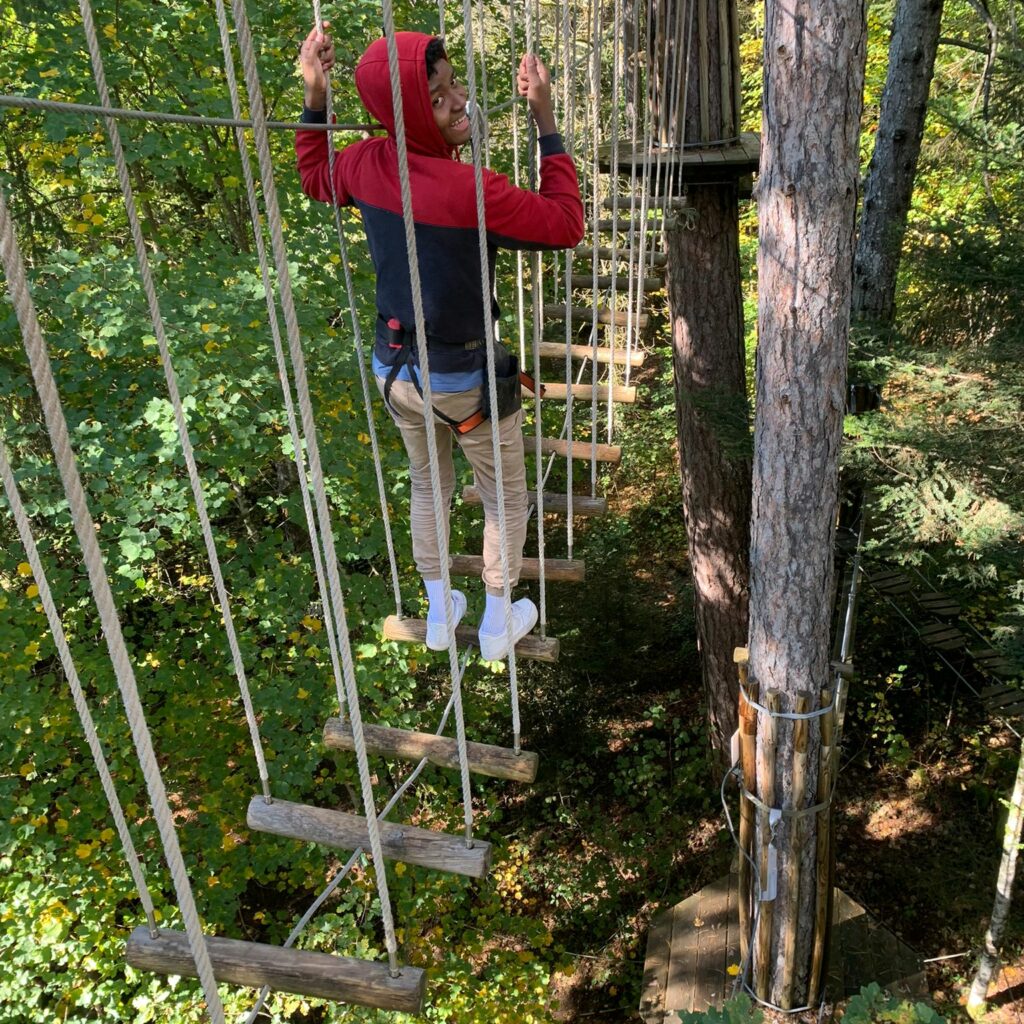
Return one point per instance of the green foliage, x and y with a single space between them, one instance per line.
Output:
871 1004
737 1009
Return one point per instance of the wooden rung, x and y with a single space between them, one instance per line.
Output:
559 570
405 843
650 284
620 393
622 225
582 504
585 315
306 973
938 603
483 758
606 252
1006 699
530 648
653 203
942 636
556 350
580 449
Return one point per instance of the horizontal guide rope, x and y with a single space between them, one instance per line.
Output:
59 107
794 716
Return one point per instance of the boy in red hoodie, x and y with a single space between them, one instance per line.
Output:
437 123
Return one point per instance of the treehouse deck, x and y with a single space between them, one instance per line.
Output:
697 164
692 946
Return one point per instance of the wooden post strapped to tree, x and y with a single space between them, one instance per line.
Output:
806 193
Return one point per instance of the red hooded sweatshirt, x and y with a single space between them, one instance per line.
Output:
444 211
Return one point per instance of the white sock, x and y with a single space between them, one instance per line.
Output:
493 622
435 595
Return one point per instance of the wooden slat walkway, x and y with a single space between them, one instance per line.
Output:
691 947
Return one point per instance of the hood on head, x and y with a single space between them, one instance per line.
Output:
373 81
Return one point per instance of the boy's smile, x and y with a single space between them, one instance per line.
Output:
448 103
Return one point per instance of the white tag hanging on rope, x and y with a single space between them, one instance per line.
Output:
734 749
771 883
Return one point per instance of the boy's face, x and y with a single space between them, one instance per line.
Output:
448 102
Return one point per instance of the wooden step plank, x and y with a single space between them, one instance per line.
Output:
303 972
650 284
531 647
585 315
558 392
582 504
623 225
1007 698
611 453
558 570
556 350
938 603
606 252
942 636
405 843
653 203
407 745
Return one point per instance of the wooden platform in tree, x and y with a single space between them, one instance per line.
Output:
606 252
707 164
650 284
585 315
692 946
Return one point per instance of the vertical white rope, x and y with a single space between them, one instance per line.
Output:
484 101
595 107
258 112
428 403
282 366
569 64
538 304
28 542
613 303
636 276
357 335
492 386
645 186
516 179
159 332
85 530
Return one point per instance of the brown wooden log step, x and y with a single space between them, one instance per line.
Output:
606 252
611 453
890 583
602 354
582 504
559 570
301 971
585 315
653 203
942 636
938 603
558 392
404 843
650 284
406 745
991 660
530 648
623 225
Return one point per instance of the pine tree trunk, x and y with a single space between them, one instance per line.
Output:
714 442
890 183
989 960
813 85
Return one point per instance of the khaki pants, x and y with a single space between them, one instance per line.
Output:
407 412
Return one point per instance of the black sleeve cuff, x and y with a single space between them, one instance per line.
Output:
551 144
313 116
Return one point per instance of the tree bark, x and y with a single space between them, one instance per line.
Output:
977 1001
714 440
813 86
890 182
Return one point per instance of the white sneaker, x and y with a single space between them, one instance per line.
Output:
437 632
495 646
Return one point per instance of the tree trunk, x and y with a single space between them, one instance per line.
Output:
890 182
714 439
813 83
977 1001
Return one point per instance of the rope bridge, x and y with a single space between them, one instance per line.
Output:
598 303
